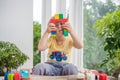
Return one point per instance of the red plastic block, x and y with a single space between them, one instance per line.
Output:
58 20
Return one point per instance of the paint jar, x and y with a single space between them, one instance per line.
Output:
80 76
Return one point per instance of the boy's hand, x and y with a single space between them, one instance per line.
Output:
68 27
51 27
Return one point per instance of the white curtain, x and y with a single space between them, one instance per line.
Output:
76 20
46 14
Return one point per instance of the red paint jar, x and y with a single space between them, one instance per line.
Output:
102 76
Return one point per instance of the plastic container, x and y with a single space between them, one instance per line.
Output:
80 76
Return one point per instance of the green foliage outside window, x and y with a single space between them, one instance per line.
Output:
94 52
37 36
108 28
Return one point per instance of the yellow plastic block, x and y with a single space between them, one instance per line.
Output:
56 16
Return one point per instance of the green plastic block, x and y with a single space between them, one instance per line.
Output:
65 30
65 34
60 16
53 35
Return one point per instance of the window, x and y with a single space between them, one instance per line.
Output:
94 52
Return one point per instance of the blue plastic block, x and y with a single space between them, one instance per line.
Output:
53 32
65 32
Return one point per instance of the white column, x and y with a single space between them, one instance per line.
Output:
46 14
16 26
76 20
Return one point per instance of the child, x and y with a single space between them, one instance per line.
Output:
59 51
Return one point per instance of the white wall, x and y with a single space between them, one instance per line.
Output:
16 25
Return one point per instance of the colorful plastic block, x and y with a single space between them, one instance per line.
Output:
53 33
56 16
64 20
65 32
59 18
54 21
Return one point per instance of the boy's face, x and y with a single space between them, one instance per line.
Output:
59 29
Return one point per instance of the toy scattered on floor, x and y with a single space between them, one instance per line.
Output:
59 18
58 56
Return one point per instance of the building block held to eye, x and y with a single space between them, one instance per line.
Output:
53 33
54 21
65 32
58 18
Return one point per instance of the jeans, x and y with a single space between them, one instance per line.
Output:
55 69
